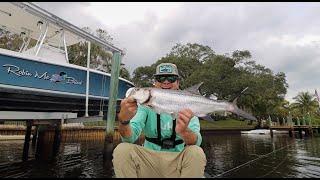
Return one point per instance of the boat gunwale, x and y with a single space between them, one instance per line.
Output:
27 90
28 57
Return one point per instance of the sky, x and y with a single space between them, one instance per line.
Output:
282 36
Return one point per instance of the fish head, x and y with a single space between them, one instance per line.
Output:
141 95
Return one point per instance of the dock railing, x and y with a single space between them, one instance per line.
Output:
301 125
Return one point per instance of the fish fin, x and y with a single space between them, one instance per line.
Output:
206 117
235 99
234 102
235 109
194 89
244 90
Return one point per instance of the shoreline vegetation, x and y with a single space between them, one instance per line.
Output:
228 123
97 129
15 130
221 124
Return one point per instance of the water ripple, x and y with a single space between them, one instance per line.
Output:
296 158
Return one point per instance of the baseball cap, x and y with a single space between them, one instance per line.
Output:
166 69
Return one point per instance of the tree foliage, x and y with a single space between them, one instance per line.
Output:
305 103
10 41
224 76
100 58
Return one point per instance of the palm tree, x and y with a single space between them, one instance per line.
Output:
282 109
305 103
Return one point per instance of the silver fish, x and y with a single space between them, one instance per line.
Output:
172 101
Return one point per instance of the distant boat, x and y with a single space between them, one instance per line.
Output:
263 131
256 131
41 78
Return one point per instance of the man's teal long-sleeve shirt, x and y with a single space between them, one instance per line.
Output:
139 123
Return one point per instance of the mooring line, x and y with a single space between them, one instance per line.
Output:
265 155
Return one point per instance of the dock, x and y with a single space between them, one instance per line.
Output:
309 130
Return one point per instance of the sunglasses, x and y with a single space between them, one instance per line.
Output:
171 79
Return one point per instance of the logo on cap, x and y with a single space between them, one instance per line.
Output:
165 69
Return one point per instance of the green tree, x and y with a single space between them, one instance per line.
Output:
282 109
10 41
224 76
187 58
192 51
100 58
104 35
304 103
143 76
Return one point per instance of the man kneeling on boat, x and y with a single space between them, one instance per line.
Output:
171 147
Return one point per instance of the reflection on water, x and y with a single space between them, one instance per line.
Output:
227 156
245 155
75 159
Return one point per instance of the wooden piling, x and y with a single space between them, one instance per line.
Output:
57 137
25 154
42 138
291 130
310 131
300 133
34 136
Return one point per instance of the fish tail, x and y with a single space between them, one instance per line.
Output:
236 110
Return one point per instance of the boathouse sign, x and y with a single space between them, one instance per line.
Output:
61 77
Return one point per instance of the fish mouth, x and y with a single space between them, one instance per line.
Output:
129 91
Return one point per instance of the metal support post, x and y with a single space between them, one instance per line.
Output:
113 96
88 79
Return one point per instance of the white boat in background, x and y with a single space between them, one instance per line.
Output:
40 78
263 131
256 131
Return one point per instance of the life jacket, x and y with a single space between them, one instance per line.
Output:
166 143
